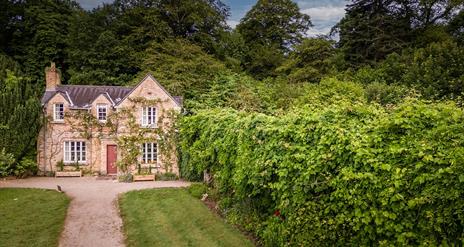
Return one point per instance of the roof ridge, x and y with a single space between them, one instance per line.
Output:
67 85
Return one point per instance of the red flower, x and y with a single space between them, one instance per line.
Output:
278 215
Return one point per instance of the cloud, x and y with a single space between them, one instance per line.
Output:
323 18
90 4
232 23
313 32
325 13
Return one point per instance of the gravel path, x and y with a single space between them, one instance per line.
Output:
93 218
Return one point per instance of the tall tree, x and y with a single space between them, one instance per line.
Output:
20 111
372 29
40 34
456 27
274 23
200 21
184 68
108 44
270 29
309 61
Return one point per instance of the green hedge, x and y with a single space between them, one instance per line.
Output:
348 174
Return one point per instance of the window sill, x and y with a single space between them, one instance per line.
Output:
58 121
146 165
81 163
149 126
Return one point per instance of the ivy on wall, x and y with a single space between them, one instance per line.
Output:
124 127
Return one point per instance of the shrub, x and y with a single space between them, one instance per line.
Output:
197 189
25 168
6 162
60 165
167 176
125 178
349 173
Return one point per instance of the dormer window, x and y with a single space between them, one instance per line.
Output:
149 117
102 111
58 112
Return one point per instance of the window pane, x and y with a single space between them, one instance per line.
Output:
143 153
155 151
78 151
101 112
66 151
59 112
82 151
73 151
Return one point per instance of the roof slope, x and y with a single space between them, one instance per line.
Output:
83 95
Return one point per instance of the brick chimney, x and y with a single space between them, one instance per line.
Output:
52 77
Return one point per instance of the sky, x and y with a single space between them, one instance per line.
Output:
324 13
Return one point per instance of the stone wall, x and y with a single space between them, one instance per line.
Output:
54 133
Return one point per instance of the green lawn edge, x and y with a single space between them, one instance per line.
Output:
172 217
31 217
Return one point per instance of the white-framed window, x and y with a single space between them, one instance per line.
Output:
102 111
149 153
58 112
74 151
149 117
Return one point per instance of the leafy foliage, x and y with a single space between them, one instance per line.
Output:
353 174
436 70
6 162
310 61
184 68
20 113
197 190
373 29
270 28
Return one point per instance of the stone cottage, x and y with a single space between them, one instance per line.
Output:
91 127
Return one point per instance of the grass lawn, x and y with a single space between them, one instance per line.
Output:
172 217
31 217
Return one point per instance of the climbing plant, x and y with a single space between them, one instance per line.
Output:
124 127
348 173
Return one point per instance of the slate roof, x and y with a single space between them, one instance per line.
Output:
81 96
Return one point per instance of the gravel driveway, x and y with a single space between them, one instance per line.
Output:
93 218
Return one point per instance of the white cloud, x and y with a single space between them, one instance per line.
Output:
313 32
325 13
323 18
232 23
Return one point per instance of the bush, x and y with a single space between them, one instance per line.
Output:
125 178
25 168
349 173
167 176
60 165
197 190
6 162
385 94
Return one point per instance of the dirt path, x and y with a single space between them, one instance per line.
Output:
93 218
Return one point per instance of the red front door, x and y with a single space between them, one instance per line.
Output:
111 154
